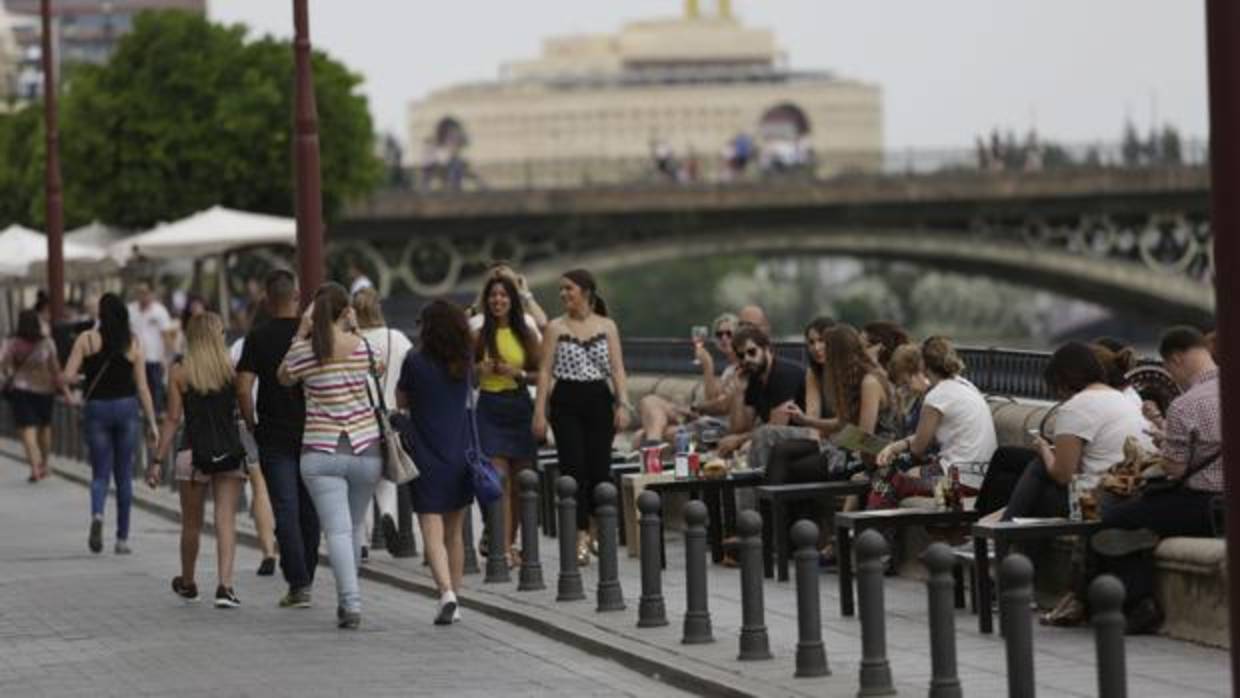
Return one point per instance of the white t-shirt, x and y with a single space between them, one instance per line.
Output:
391 354
360 283
966 433
148 326
1103 419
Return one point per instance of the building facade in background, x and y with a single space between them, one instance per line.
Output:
9 60
85 31
697 97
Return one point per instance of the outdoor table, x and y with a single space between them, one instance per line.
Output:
773 501
718 495
851 523
1004 533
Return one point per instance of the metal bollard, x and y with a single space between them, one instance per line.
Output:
497 561
610 595
941 587
570 577
754 641
531 576
407 545
875 670
1106 604
650 610
467 536
697 612
811 653
1016 581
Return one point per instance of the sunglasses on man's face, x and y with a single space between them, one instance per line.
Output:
752 353
722 334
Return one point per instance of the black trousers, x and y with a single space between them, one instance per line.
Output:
582 415
1037 494
1180 512
796 461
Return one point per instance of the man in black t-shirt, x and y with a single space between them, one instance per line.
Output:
277 425
772 382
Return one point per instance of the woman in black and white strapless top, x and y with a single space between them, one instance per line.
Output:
583 347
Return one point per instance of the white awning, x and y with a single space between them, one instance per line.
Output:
214 231
23 255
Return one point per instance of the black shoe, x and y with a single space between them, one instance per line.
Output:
267 567
447 612
348 620
1144 619
365 553
96 536
225 597
391 535
189 591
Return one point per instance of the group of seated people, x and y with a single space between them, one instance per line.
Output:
924 421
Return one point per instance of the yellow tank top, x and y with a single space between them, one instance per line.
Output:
510 352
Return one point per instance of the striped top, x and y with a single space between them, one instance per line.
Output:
336 399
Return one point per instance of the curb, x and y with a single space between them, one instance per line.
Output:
634 656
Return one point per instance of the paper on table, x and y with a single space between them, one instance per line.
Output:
1034 520
852 438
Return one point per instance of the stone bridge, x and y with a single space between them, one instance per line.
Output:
1129 237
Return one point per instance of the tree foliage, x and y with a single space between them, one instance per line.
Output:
188 114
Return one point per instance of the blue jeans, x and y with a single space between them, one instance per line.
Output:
342 485
111 428
297 524
155 381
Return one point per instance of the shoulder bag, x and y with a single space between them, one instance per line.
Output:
485 480
398 465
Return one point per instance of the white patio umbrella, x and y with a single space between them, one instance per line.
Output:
208 233
23 256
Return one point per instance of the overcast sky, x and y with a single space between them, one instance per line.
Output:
949 69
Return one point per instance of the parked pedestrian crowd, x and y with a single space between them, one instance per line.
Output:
295 410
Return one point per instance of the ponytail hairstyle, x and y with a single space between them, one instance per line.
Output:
330 301
1116 361
584 280
940 358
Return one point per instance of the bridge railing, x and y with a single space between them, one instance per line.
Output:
702 168
1010 372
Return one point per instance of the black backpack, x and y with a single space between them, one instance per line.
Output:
212 432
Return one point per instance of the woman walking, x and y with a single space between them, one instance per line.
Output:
340 459
201 386
507 354
434 386
392 346
114 367
582 347
32 378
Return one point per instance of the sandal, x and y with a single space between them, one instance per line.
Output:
1068 612
583 554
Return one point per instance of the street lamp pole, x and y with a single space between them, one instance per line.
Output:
52 185
1223 50
309 188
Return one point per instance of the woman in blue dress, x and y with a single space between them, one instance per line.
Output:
434 386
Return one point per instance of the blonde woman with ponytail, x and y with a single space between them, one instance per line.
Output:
200 388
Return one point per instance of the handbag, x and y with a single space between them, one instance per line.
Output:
482 475
398 465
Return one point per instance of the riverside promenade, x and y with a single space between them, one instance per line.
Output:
112 623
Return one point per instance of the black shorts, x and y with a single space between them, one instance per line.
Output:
30 409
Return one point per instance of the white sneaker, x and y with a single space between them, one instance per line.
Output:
448 611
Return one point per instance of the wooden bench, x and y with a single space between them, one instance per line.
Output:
773 501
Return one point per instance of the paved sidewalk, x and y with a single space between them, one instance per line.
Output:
77 624
1064 657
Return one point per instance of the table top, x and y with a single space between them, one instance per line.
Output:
1033 528
668 481
831 487
903 517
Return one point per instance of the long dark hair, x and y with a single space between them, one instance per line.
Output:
848 365
888 335
585 281
487 341
28 326
1072 368
818 325
114 324
329 302
444 336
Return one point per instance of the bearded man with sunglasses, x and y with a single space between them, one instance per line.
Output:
771 383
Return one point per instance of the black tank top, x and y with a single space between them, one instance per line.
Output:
116 380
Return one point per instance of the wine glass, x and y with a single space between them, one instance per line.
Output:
699 333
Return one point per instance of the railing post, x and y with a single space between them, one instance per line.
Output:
467 536
940 588
1016 582
1106 612
610 595
497 543
697 629
530 577
569 585
650 611
811 657
755 644
875 669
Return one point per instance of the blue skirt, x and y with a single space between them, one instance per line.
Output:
505 425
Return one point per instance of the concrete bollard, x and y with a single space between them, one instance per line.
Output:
1016 581
650 610
530 578
941 587
610 595
467 537
875 670
1106 605
811 653
407 545
755 644
497 561
569 587
697 611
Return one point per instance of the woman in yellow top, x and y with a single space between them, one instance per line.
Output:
507 353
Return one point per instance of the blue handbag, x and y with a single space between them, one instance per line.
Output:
482 475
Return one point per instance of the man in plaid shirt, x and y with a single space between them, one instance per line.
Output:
1191 438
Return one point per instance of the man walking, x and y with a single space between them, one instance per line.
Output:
152 325
277 425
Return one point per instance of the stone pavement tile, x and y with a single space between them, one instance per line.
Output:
72 623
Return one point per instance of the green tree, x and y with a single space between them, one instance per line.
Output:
188 114
21 166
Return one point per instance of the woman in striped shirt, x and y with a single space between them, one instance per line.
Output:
340 458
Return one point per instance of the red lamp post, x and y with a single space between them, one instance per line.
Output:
52 185
309 188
